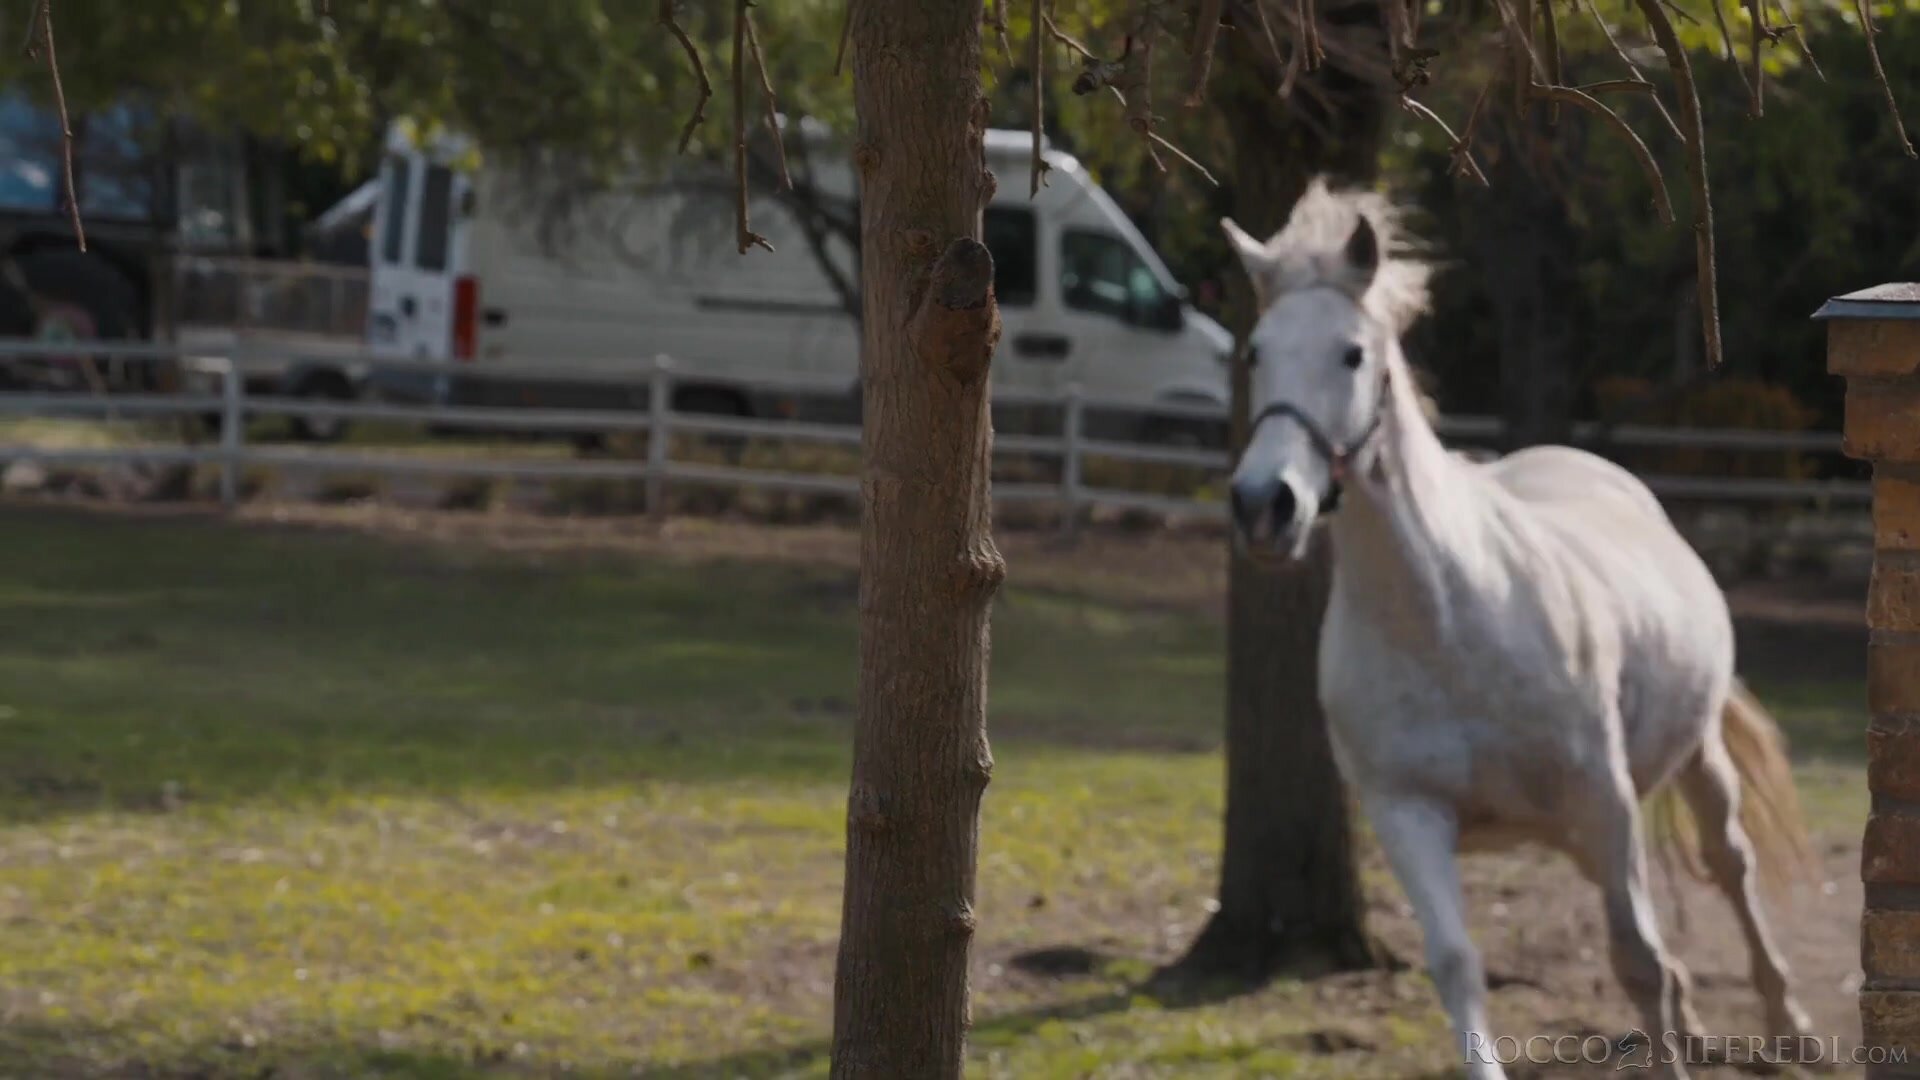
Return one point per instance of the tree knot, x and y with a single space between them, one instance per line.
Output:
960 921
979 765
957 323
982 568
963 277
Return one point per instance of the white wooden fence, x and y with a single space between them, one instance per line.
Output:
223 394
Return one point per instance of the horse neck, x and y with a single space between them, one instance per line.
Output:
1413 527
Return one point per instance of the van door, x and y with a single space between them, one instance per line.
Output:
420 307
1034 357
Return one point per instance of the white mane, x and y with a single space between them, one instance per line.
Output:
1310 251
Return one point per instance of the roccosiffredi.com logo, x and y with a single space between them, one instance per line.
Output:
1635 1051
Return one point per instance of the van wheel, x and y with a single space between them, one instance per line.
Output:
325 386
78 297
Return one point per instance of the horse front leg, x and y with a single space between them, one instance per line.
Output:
1420 838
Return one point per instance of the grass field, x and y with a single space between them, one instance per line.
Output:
313 804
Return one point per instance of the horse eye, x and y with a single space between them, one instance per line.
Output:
1253 356
1353 358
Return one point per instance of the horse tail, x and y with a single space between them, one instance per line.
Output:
1769 802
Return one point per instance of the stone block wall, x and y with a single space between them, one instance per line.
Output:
1880 359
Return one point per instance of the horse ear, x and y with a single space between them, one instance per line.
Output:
1253 254
1363 252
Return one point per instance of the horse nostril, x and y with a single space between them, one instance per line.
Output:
1283 505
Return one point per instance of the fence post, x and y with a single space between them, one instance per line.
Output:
1070 463
659 410
232 418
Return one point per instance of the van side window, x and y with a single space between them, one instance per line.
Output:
394 232
1013 240
1100 272
436 215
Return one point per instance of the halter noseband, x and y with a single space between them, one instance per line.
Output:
1336 456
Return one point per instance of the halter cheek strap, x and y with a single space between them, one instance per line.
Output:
1337 456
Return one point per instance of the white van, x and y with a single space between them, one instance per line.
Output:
478 268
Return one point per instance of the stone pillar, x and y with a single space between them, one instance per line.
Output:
1873 340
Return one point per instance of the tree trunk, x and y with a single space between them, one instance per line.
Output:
1290 895
1521 236
928 566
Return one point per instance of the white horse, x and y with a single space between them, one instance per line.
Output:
1513 651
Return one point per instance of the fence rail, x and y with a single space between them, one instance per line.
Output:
270 294
229 409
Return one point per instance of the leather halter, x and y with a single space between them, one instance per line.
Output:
1336 456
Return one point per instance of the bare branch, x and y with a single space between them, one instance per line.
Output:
1266 31
1134 68
1206 33
746 238
1462 153
1550 25
1758 32
1285 67
1617 86
772 105
1726 35
1037 59
668 20
997 22
1398 34
819 224
1160 141
1064 38
39 40
1520 41
1640 152
846 34
1461 158
1865 7
1800 39
1136 85
1638 75
1309 31
1695 138
1406 60
1296 56
1680 13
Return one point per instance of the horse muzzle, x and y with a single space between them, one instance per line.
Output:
1270 516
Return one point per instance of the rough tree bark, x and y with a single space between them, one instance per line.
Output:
1290 896
928 565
